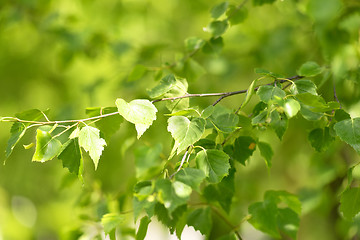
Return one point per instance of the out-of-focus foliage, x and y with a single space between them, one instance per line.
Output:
71 55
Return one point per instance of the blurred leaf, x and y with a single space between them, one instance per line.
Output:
266 152
144 223
201 220
214 163
140 112
310 69
291 107
244 147
185 112
320 139
190 176
214 45
137 73
236 15
47 147
193 44
108 125
207 112
17 131
304 86
163 87
184 131
30 115
261 2
350 203
193 70
110 221
71 157
291 200
219 9
148 161
230 236
349 131
288 222
269 93
217 28
89 139
323 14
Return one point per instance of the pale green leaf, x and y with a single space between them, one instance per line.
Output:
190 176
219 9
304 86
288 222
165 85
214 163
140 112
225 122
291 107
89 139
143 227
310 69
110 221
47 147
184 131
349 131
269 93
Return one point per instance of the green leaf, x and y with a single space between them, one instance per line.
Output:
310 69
320 139
110 221
340 115
269 93
214 163
185 112
288 222
17 131
172 195
261 2
219 9
350 203
262 71
260 118
291 200
148 161
108 125
193 44
324 15
165 85
266 152
71 157
207 112
30 115
236 15
140 112
249 93
308 114
225 122
137 73
213 46
349 131
193 70
89 139
244 147
279 123
291 107
264 217
47 147
201 220
144 223
230 236
304 86
191 176
179 89
217 28
316 103
184 131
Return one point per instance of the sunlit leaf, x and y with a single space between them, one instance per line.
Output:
47 147
219 9
110 221
349 131
310 69
17 131
291 107
163 87
304 86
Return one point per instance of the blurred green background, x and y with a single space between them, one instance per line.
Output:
71 54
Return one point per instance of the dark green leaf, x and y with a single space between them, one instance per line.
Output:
71 157
350 203
340 115
279 123
89 139
264 217
137 73
110 221
191 176
201 220
165 85
217 28
213 46
260 118
349 131
214 163
236 15
266 151
184 131
320 139
17 131
261 2
310 69
148 161
219 9
269 93
288 222
243 148
304 86
141 233
284 197
47 147
108 125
